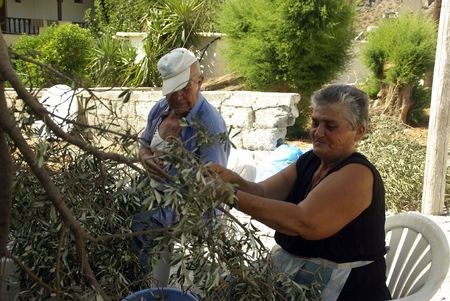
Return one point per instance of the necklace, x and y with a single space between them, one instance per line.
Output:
315 180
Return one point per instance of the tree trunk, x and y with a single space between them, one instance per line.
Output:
437 147
396 100
389 98
437 11
406 102
428 78
5 184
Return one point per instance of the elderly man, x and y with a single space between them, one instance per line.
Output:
182 80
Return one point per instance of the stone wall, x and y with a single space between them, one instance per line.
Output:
258 120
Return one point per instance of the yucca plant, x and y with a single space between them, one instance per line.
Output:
109 60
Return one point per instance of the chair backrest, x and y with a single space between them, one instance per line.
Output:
418 257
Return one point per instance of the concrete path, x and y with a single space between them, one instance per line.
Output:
444 291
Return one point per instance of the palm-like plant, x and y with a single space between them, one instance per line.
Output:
109 61
169 24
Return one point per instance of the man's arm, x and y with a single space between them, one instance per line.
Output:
219 151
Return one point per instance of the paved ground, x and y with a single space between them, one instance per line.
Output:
444 291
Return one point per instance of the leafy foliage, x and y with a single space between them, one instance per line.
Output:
216 257
102 198
400 160
109 60
168 25
422 101
401 50
63 47
371 86
132 15
220 256
290 45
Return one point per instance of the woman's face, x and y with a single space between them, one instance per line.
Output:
332 134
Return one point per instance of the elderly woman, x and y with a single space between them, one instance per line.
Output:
328 207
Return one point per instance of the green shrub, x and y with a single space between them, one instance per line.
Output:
132 15
402 49
400 160
109 60
30 74
422 100
371 86
168 24
288 45
63 47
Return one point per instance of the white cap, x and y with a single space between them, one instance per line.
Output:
175 69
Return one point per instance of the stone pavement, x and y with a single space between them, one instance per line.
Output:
444 292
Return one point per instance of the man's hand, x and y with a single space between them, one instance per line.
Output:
152 164
149 158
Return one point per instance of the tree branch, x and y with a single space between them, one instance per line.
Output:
7 72
30 273
5 185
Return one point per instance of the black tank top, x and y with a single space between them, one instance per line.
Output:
361 239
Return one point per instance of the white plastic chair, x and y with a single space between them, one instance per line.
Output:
418 257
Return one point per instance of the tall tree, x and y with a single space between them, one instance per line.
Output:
398 67
286 44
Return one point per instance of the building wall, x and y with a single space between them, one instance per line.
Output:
74 12
48 9
213 62
11 39
32 9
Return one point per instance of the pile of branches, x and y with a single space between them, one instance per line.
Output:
66 207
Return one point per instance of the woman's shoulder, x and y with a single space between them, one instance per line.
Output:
307 157
357 157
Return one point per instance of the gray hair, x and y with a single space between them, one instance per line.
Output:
354 99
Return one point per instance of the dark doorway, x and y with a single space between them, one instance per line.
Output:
3 16
59 9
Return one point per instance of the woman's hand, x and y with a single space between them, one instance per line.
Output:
225 174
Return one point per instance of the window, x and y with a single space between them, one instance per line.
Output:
78 1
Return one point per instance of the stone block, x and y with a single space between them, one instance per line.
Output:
238 117
239 99
262 139
273 117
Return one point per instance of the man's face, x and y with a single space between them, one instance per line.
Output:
182 101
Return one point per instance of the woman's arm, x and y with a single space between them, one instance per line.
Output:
332 204
276 187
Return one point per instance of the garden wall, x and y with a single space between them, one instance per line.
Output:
258 120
